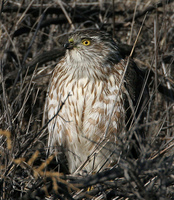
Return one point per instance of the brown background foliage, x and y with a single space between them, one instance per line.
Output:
31 38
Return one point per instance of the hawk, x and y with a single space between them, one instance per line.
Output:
86 100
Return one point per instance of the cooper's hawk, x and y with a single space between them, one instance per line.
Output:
89 78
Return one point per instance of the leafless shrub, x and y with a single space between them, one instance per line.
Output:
31 35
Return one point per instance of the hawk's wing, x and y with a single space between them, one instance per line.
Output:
135 83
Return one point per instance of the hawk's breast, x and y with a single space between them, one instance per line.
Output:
86 114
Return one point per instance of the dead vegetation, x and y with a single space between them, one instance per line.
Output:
31 37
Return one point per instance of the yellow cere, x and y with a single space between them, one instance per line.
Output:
86 42
71 40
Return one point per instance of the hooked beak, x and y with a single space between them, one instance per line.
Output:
69 45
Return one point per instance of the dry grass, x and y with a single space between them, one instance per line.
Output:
30 42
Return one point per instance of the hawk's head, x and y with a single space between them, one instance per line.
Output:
92 47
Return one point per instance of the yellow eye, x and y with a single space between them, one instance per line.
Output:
86 42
